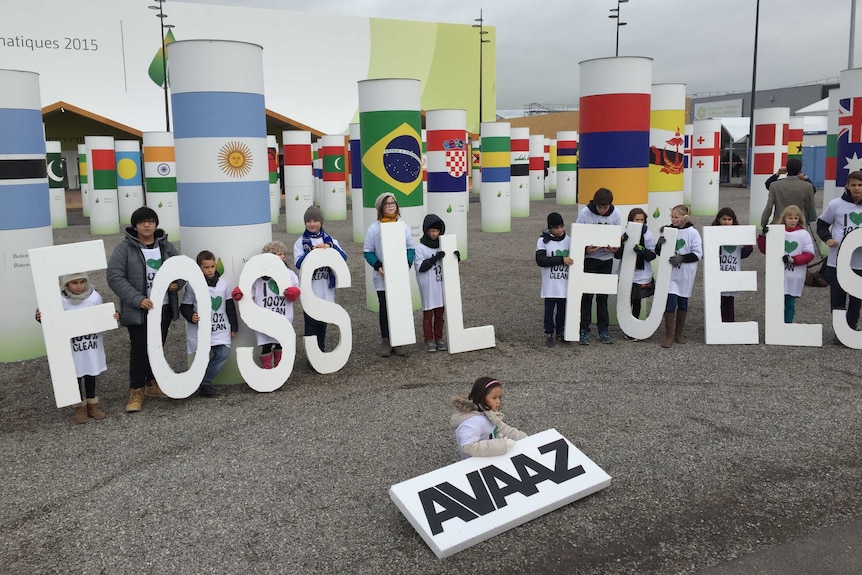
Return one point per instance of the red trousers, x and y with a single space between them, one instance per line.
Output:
432 324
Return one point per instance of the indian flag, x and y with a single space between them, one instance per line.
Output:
160 169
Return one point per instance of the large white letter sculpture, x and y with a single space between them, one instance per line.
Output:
852 284
632 326
581 282
265 321
778 332
59 326
326 311
178 385
396 277
716 281
460 339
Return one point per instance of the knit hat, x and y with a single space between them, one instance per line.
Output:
382 198
313 213
274 248
69 277
554 220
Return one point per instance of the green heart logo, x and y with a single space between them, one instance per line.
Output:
855 217
790 246
215 302
564 253
730 249
273 286
155 264
679 244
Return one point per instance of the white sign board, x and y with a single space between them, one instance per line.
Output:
721 109
457 506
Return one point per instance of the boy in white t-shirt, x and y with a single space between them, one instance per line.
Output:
224 320
552 255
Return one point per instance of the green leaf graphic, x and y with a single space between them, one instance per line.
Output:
156 71
220 267
656 213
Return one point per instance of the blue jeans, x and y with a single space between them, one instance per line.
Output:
218 357
676 303
550 326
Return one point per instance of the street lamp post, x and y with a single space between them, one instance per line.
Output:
616 16
161 16
482 32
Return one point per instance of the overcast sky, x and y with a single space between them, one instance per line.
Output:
706 44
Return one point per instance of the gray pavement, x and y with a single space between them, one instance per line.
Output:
725 459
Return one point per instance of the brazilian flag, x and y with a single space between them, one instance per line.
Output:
391 142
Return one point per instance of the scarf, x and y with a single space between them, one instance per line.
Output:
385 219
77 298
307 247
433 244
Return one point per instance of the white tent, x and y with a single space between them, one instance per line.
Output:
816 109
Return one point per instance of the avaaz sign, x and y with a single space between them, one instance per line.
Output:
457 506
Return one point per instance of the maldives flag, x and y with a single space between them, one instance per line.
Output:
104 176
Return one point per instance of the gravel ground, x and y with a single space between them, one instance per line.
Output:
715 451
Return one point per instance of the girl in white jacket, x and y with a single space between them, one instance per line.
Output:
478 423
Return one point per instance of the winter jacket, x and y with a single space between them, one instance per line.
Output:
480 433
127 275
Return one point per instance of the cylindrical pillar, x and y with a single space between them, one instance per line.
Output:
57 202
220 140
795 135
476 159
769 153
298 178
317 169
333 199
84 180
686 172
849 140
567 168
520 171
130 189
390 125
494 198
424 168
552 167
447 164
160 176
25 220
537 167
546 165
830 191
614 130
705 157
274 187
667 156
104 211
357 213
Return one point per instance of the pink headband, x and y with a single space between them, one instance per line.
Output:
490 383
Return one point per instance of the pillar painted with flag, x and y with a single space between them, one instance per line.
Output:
298 178
686 172
614 130
705 157
274 187
769 153
84 180
795 135
160 178
57 202
520 172
104 209
666 152
130 188
390 125
830 191
220 142
448 163
849 140
25 220
546 165
494 198
424 168
537 167
552 167
357 213
333 199
476 159
567 168
317 168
